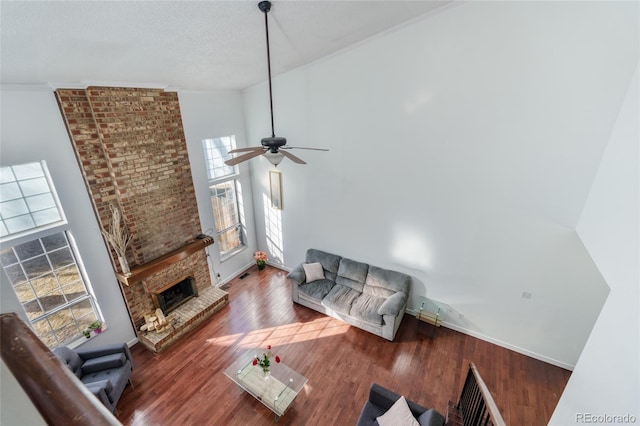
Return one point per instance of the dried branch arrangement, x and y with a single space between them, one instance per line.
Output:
118 235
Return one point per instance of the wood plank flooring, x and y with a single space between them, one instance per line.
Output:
185 385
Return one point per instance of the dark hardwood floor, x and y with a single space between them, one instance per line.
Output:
185 385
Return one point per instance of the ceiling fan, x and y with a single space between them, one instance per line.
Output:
273 147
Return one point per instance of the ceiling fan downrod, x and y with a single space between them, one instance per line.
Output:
265 7
272 148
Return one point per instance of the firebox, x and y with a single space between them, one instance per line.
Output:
173 295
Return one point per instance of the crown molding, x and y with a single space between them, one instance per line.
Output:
25 87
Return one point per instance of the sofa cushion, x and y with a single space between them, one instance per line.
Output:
104 362
328 261
117 376
384 282
352 274
71 359
365 308
99 384
431 418
313 271
356 271
398 414
317 289
340 299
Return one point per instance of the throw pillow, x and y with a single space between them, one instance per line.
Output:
398 415
313 271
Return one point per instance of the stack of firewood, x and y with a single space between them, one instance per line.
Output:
157 321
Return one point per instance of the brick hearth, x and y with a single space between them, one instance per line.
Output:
187 317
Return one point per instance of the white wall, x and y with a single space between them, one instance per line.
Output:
207 115
16 409
33 130
606 380
463 147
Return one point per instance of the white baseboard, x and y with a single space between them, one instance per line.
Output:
506 345
462 330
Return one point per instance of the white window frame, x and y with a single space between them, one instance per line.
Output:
36 234
232 176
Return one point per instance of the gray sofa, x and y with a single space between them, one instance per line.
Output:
104 371
381 399
365 296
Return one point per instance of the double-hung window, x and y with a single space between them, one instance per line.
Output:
38 256
226 195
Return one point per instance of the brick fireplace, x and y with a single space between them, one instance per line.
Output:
132 151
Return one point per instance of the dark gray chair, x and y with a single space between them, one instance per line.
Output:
381 399
105 371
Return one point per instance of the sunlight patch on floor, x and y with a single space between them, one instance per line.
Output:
228 340
284 334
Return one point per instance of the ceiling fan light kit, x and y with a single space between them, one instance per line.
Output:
274 157
272 145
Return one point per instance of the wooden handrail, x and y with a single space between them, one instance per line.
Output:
60 397
494 412
476 406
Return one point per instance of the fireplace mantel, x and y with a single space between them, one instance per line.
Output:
140 272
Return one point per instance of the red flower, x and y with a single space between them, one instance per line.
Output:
277 358
269 347
255 361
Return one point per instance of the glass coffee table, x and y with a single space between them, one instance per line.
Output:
276 391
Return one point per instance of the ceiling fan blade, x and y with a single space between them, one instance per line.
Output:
299 147
239 159
255 148
293 157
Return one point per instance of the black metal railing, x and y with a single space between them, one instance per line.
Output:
476 405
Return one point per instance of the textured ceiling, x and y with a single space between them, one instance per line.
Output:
203 45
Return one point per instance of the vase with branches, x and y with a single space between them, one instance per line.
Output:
119 238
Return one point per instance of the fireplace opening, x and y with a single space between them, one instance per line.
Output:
170 297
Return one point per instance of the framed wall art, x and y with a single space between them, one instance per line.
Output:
275 184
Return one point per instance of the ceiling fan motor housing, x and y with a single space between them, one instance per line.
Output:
264 6
273 143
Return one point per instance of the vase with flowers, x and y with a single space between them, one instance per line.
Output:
264 361
261 259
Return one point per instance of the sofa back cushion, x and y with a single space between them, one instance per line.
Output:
105 362
71 359
352 274
329 262
384 282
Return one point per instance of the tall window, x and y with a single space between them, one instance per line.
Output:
226 195
38 257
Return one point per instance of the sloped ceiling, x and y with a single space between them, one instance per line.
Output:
202 45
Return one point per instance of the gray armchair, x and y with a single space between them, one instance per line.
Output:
105 371
381 399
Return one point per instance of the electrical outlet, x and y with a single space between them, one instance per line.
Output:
526 295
